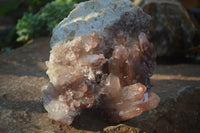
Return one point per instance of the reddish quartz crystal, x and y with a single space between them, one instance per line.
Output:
112 67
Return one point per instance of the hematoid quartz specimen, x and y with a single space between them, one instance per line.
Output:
101 56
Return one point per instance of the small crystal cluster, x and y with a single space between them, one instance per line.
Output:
108 67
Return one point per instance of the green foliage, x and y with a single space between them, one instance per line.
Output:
16 8
78 1
52 13
36 5
31 25
43 22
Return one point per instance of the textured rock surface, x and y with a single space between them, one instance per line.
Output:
22 74
94 16
121 128
107 62
172 31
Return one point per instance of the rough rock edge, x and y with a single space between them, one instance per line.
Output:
92 18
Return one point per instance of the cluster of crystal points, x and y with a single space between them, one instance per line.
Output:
110 69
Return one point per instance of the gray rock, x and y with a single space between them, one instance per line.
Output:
89 17
173 32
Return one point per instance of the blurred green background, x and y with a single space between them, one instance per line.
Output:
22 20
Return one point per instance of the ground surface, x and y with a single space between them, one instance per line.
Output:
22 74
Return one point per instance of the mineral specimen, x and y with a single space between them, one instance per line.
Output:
101 56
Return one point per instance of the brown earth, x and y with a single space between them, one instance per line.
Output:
22 74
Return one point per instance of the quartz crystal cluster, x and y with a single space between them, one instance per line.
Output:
101 56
